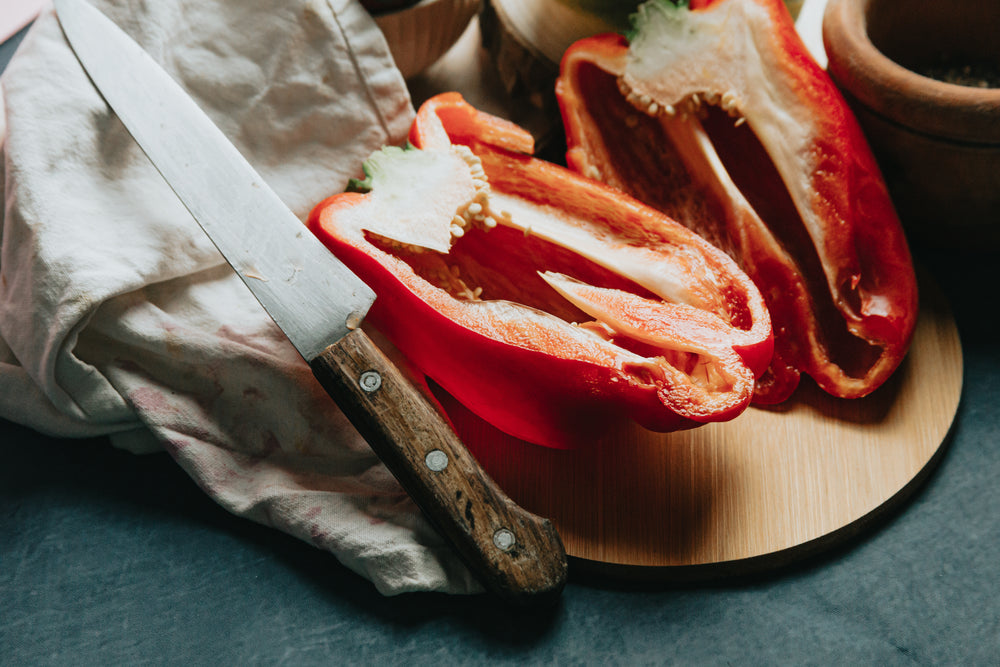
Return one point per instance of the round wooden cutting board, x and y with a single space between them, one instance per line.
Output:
770 487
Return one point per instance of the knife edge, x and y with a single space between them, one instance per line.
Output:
267 245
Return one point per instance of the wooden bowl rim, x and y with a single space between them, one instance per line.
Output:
930 106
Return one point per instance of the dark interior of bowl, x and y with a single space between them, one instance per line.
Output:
956 41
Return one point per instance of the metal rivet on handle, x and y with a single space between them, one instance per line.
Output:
370 381
504 539
436 460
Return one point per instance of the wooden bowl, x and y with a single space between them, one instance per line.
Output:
419 35
898 63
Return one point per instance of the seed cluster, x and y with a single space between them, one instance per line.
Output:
690 106
459 288
476 213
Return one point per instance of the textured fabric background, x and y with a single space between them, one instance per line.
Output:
117 315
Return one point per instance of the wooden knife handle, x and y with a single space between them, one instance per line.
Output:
514 554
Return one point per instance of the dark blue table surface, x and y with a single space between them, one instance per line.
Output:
110 558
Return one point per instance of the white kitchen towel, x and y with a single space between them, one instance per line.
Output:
119 317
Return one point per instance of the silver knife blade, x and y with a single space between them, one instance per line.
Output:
267 245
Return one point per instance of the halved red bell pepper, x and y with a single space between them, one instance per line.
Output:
550 305
716 114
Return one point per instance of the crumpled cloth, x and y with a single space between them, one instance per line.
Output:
118 316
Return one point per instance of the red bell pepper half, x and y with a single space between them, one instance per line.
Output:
716 114
552 306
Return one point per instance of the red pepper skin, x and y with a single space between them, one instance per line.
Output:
544 383
821 241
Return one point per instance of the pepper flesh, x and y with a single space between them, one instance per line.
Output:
717 115
531 322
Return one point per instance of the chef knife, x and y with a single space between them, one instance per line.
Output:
319 304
